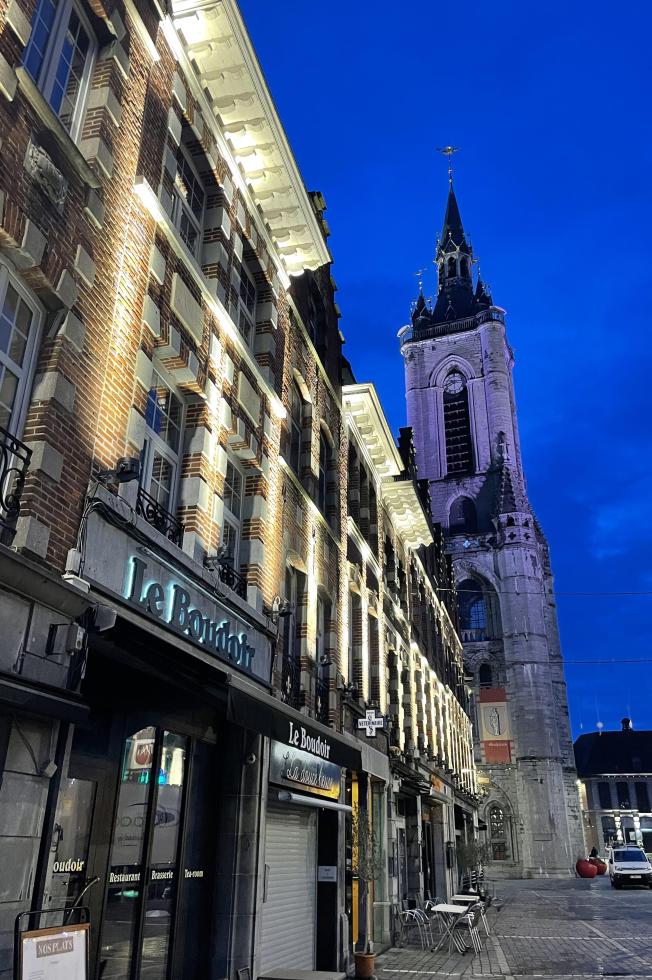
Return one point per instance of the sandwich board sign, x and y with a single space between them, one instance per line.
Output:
371 722
60 953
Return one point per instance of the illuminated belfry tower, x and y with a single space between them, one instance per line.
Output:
461 407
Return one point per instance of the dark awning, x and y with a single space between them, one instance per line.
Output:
262 713
35 698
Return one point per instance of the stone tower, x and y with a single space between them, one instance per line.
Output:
461 407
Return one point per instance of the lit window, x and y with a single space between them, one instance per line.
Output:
59 57
19 321
160 456
188 203
232 518
498 834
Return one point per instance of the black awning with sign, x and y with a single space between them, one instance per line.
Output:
263 714
42 699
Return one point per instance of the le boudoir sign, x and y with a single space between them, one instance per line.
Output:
299 770
163 596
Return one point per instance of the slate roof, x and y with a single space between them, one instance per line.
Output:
453 231
613 753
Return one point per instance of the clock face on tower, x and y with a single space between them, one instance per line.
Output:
454 383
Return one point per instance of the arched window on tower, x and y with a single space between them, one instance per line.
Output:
463 518
457 424
452 268
484 675
472 610
499 833
464 267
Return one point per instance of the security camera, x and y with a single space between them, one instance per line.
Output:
126 469
250 758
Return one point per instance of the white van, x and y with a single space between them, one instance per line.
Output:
629 865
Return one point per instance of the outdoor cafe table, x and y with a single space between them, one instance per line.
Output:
450 914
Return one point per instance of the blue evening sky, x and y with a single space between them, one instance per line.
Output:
551 106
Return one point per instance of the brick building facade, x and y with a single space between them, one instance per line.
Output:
179 695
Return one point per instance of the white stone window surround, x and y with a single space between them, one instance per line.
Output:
158 448
25 370
54 24
217 308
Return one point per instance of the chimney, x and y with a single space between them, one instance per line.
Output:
626 724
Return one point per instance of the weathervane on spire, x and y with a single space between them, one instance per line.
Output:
419 276
448 151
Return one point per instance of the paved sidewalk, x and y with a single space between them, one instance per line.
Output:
551 929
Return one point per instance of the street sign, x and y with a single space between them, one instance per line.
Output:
371 722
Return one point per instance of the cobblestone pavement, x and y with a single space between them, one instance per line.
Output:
551 929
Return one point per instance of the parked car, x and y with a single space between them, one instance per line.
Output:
629 865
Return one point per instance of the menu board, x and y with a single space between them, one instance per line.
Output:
60 953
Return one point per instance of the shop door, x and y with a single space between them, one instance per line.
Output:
290 898
155 901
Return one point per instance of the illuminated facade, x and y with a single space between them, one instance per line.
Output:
178 718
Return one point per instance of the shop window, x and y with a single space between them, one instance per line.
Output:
188 199
609 832
296 426
19 326
232 517
498 833
604 795
160 455
642 797
59 57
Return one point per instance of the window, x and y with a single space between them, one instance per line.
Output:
609 832
188 198
290 667
462 517
160 456
622 795
324 466
484 675
19 322
498 832
246 304
296 426
59 57
642 797
472 611
604 796
457 425
232 520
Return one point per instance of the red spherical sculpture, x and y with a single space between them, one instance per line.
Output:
599 864
585 869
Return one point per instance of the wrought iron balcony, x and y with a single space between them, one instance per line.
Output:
159 517
14 463
290 680
321 700
232 578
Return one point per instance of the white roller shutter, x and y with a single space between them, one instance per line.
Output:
290 908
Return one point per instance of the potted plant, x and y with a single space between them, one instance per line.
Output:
367 866
471 858
585 869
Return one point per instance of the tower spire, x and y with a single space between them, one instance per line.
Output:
448 151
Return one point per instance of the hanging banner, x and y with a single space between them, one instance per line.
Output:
60 953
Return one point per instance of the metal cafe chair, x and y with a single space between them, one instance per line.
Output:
469 920
409 922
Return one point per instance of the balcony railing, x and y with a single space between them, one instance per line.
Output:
321 700
14 463
474 635
290 680
231 577
159 517
408 333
